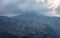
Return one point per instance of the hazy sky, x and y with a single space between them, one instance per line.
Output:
16 7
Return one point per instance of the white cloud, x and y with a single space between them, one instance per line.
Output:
9 14
40 0
52 5
40 6
52 14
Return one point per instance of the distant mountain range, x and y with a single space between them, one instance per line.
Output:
29 25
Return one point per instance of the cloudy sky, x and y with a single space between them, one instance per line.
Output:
16 7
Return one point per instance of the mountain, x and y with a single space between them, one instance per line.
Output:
35 16
28 25
54 22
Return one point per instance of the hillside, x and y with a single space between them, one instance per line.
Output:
25 26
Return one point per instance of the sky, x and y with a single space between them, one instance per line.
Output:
16 7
